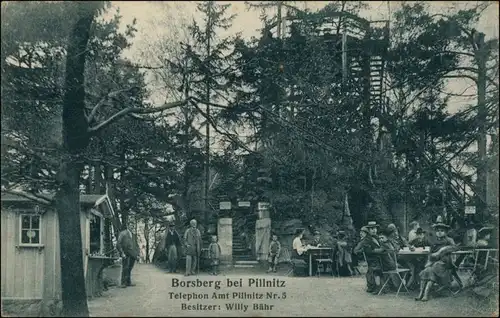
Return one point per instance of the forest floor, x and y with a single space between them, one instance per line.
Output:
305 296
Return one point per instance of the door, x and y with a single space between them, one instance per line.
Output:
262 238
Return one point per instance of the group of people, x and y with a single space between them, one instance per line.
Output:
192 245
341 247
380 250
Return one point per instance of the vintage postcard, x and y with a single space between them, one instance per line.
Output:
249 158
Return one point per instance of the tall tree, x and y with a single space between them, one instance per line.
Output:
79 124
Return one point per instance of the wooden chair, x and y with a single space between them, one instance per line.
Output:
400 272
323 260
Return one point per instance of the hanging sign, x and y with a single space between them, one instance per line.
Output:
244 204
262 206
225 205
470 209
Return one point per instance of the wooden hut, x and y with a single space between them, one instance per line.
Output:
31 271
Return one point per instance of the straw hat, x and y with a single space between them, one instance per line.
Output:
441 226
372 224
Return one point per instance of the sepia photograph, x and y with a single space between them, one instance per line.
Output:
249 158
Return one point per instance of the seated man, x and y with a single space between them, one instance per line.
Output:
420 240
483 242
387 255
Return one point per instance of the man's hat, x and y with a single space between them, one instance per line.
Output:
485 230
341 233
372 224
420 231
364 229
441 226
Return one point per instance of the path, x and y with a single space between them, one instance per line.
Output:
323 296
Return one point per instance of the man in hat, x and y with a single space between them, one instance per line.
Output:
397 240
370 247
129 251
484 237
420 240
172 245
439 268
192 242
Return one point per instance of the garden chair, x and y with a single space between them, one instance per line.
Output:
400 272
325 262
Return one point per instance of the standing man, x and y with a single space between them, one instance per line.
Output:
192 241
370 246
129 251
172 245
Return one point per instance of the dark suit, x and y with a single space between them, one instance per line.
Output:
127 245
172 245
370 246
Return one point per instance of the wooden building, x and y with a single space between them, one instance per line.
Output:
31 271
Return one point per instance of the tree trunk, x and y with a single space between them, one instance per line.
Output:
481 58
75 140
146 238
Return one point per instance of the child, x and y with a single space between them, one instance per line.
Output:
274 253
214 254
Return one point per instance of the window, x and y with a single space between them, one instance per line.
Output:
30 229
95 234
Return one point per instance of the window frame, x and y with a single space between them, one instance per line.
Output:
23 214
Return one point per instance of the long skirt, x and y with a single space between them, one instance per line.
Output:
439 273
172 257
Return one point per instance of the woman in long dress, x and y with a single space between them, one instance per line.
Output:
439 268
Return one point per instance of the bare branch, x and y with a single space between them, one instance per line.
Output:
461 76
104 100
134 110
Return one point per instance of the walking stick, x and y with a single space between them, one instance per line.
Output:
198 263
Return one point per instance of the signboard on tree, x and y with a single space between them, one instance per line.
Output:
470 209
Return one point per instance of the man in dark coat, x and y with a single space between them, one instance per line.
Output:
192 242
370 247
129 251
172 245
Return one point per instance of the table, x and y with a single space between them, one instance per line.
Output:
410 259
317 250
93 281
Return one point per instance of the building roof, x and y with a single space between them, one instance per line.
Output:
85 199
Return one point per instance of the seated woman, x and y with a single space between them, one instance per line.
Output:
439 268
298 253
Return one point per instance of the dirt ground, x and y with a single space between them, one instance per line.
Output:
305 296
